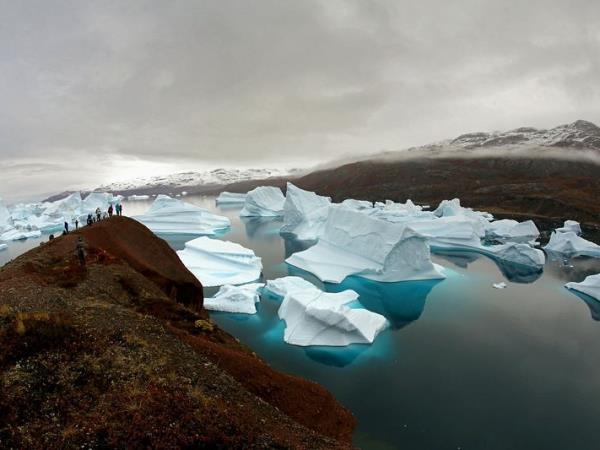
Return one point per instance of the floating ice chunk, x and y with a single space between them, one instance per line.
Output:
235 299
231 198
454 232
590 286
450 208
354 243
507 230
305 213
172 216
136 197
500 285
95 200
314 317
516 253
44 223
570 225
3 247
19 235
216 263
69 207
264 201
569 244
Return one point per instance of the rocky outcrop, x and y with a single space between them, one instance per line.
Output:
100 356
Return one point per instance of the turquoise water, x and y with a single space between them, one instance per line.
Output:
463 366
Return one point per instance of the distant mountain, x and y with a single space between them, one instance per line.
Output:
177 182
580 134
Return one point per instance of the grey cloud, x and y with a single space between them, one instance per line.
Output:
228 82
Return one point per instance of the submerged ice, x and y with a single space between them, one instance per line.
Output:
314 317
568 243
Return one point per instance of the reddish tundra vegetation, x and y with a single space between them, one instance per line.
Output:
120 354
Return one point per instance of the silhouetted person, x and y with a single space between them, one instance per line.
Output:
98 214
51 237
66 228
80 251
76 224
90 219
110 211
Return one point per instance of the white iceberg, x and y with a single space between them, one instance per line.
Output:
354 243
235 299
216 263
314 317
590 286
570 225
500 285
95 200
136 197
357 204
18 235
569 244
508 230
451 208
515 253
172 216
3 247
70 206
5 217
231 198
264 201
305 213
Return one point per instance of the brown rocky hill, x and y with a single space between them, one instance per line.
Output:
108 355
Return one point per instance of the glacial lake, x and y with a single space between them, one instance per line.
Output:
463 366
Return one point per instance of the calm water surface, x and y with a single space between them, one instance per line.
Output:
464 365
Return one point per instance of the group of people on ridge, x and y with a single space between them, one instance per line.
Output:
97 216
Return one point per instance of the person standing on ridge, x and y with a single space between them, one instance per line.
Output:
110 211
98 214
66 227
80 251
76 224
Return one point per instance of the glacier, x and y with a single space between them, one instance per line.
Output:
570 244
313 317
235 299
590 286
231 198
354 243
216 263
264 201
304 213
169 215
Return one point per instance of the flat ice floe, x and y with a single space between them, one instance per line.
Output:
314 317
18 235
135 197
216 263
3 246
305 213
172 216
235 299
231 198
265 201
354 243
590 286
570 244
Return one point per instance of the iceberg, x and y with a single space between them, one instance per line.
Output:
515 253
3 247
231 198
500 285
68 207
357 204
569 244
95 200
19 235
216 263
135 197
235 299
263 201
314 317
590 286
570 225
305 213
354 243
507 230
172 216
5 217
450 208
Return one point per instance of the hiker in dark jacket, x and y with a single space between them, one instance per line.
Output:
80 251
110 211
66 228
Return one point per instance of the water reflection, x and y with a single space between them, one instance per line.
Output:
518 273
335 356
293 245
462 259
257 227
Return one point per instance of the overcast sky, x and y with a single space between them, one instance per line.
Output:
97 91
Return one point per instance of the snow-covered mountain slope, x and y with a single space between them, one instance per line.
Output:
204 178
